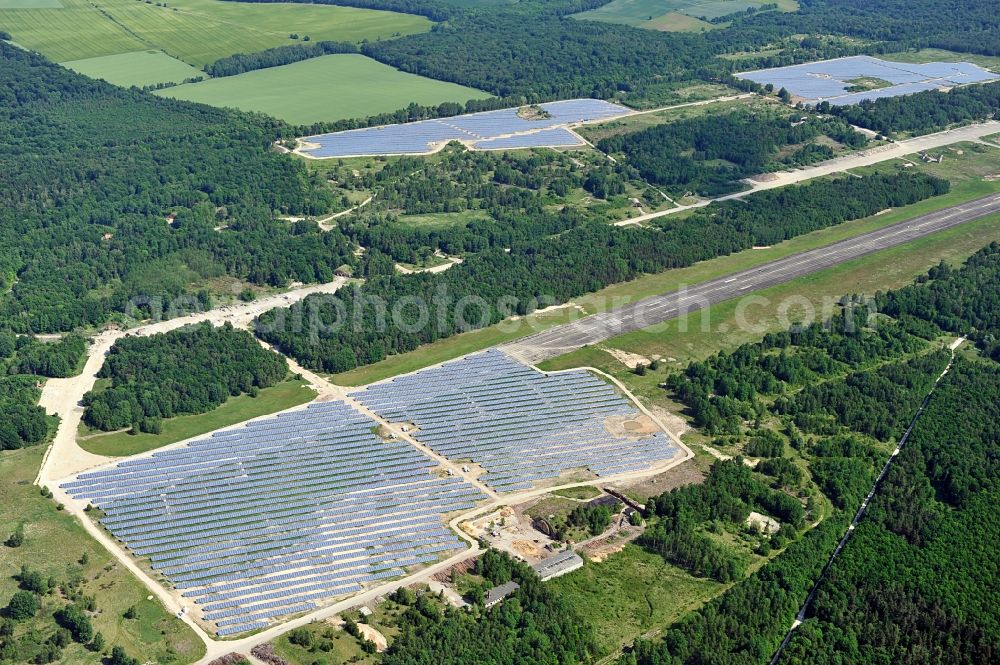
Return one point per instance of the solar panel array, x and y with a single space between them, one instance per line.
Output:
547 138
520 425
829 80
477 128
273 518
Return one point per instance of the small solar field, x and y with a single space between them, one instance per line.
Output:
831 80
275 518
489 130
519 425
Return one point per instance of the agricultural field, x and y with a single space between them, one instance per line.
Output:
331 87
140 68
672 15
197 32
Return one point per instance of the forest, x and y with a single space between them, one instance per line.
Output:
729 493
501 281
24 423
923 112
966 299
903 588
532 626
186 371
917 581
709 155
24 354
115 200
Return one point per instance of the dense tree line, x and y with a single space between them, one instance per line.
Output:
877 402
534 625
965 300
24 423
917 580
93 173
923 112
532 49
726 389
240 63
685 155
357 326
23 354
190 370
728 494
967 26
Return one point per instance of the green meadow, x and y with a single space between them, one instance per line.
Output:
195 31
331 87
139 68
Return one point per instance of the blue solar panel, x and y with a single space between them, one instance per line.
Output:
830 79
268 519
518 424
482 130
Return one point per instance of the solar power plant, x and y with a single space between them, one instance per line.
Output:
547 138
520 425
829 80
280 515
423 136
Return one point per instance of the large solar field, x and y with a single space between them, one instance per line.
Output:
831 80
519 425
281 515
288 513
487 130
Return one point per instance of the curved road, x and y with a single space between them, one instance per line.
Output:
657 309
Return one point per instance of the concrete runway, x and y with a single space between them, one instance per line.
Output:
657 309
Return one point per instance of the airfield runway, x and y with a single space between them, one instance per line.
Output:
657 309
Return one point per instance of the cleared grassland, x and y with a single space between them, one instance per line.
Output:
55 544
29 4
630 594
139 68
195 31
331 87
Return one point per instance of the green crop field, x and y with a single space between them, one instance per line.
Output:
30 4
331 87
672 15
195 31
139 68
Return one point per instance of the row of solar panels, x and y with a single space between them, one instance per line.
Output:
487 130
519 425
264 520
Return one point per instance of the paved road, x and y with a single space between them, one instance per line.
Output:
657 309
